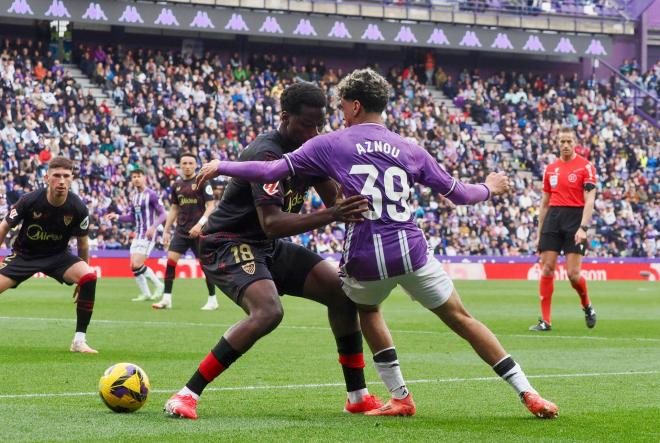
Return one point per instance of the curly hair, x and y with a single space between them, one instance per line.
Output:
302 94
366 86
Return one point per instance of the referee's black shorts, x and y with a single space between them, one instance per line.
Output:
559 228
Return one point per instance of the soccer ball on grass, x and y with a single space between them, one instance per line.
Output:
124 387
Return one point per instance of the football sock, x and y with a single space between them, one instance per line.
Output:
169 276
513 374
546 287
141 280
151 275
211 287
217 361
351 358
581 288
85 301
388 368
79 337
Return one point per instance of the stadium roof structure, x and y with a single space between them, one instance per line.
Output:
303 25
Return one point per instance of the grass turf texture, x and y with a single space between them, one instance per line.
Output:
606 381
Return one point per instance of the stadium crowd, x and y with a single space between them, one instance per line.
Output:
214 106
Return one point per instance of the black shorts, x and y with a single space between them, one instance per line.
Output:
233 265
181 244
20 269
559 228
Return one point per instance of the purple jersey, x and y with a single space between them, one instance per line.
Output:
371 160
146 210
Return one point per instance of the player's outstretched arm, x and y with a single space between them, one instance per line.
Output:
277 223
439 180
252 171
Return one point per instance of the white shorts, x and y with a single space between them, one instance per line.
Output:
429 285
142 246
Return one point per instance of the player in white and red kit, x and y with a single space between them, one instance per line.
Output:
388 249
569 193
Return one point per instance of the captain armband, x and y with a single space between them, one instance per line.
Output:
589 186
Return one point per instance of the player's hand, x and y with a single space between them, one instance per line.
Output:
150 233
349 210
195 231
111 216
166 239
580 236
209 170
498 183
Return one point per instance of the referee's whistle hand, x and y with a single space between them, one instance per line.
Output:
498 183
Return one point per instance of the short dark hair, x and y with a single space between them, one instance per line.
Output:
302 94
366 86
61 163
138 170
187 154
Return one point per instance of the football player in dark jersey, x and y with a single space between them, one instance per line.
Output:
243 255
49 217
190 209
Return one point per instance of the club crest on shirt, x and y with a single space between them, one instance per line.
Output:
249 267
194 186
271 188
572 178
554 179
68 219
36 215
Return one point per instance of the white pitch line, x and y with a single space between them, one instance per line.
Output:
334 385
325 328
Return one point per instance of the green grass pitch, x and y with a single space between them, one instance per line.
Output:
289 387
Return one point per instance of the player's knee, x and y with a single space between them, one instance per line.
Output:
268 316
574 275
547 269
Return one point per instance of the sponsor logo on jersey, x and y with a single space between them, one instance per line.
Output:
293 200
187 200
13 213
271 188
553 180
85 223
68 219
36 215
572 178
37 233
249 267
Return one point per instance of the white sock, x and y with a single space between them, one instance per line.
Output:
167 298
141 281
79 337
513 375
186 391
151 275
387 366
357 396
211 297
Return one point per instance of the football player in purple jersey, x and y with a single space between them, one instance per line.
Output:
147 213
388 249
